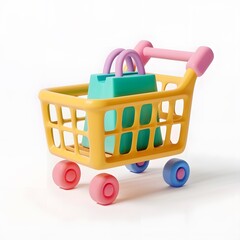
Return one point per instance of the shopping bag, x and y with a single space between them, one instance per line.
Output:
118 84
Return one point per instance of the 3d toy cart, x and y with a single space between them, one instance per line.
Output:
66 111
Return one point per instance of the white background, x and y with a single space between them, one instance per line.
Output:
45 43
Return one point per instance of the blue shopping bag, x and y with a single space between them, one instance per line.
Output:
118 84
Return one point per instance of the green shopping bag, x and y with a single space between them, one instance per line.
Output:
110 85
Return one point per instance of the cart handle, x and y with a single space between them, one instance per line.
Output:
199 61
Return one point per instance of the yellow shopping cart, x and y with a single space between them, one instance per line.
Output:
65 110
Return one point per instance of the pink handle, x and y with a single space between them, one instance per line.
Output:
198 61
139 49
167 54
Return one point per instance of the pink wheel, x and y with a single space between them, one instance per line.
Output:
66 174
104 188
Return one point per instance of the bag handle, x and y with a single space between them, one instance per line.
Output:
125 55
112 56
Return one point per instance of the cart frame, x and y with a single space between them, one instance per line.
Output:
72 97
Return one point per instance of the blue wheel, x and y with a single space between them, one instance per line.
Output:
176 172
138 167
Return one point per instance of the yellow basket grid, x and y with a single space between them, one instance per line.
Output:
65 110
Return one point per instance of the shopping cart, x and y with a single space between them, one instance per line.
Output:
65 110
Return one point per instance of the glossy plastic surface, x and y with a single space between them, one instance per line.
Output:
164 104
176 172
138 167
110 59
112 86
104 189
125 55
199 61
66 174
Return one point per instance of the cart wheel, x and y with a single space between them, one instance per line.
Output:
104 188
176 172
138 167
66 174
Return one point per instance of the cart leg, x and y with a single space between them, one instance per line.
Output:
138 167
66 174
176 172
104 189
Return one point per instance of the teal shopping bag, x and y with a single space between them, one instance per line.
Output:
118 84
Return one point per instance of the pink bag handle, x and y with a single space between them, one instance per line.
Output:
198 61
112 56
124 55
